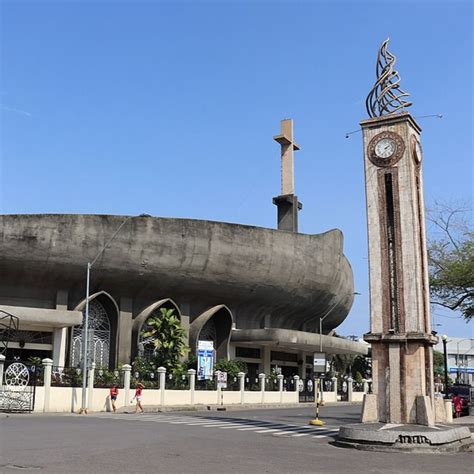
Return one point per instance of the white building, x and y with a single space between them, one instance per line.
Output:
460 358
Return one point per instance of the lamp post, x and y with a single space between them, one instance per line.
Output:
445 352
85 328
321 319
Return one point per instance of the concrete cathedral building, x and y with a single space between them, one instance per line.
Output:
259 294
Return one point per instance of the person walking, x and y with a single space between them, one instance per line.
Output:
457 403
138 397
113 396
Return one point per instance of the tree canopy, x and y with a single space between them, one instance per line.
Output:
451 259
167 335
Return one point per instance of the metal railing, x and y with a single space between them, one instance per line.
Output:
177 382
150 380
66 376
252 384
208 384
108 378
271 384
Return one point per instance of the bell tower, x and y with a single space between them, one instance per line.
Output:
287 202
400 323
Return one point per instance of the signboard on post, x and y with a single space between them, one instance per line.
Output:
221 379
319 362
205 360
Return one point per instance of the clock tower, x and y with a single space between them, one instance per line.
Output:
400 324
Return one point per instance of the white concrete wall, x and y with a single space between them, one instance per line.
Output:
68 399
357 396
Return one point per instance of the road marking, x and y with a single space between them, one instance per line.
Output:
226 423
213 425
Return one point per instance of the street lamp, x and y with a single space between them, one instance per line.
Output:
445 352
322 318
85 329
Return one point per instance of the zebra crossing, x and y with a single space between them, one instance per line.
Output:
261 427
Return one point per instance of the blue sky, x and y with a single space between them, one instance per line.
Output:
169 108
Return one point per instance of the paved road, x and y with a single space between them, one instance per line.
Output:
250 441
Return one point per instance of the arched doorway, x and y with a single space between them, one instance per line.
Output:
144 346
214 325
102 332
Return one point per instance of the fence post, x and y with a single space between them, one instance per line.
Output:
350 388
241 376
48 367
162 373
262 386
90 385
334 388
296 379
280 386
192 384
365 387
126 369
2 365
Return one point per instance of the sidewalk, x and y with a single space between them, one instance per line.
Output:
465 421
249 406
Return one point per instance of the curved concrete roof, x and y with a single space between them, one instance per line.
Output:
295 277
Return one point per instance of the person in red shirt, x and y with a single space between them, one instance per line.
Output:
457 402
113 396
138 397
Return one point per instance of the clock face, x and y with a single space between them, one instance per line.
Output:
418 152
385 148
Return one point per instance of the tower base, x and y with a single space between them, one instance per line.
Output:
405 438
288 207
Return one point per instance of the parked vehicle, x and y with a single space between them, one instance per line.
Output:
466 392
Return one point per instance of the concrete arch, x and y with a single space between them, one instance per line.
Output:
145 314
223 320
113 313
82 304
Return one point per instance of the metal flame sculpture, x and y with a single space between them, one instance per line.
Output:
386 97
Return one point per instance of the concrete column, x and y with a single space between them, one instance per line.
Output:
2 366
267 321
296 379
162 375
124 331
59 346
280 386
192 384
126 369
449 411
185 310
60 334
266 359
334 388
350 389
262 386
302 366
90 385
241 377
47 367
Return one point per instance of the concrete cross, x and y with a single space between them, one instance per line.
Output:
285 139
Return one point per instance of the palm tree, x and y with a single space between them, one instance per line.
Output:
165 332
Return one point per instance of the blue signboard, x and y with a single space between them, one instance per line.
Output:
205 360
